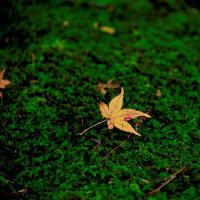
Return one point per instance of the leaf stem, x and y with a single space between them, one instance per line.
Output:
93 126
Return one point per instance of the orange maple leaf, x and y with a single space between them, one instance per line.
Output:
118 117
3 83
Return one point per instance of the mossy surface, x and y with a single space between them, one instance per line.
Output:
54 58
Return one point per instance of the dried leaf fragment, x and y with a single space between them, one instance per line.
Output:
96 25
34 81
66 23
118 117
102 86
107 29
3 83
158 93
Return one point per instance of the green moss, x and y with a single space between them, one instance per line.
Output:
54 70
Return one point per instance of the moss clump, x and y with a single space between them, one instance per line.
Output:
54 68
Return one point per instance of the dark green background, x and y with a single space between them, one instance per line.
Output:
53 97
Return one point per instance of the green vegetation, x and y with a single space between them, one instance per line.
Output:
54 58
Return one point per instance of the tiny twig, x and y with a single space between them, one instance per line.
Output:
19 192
115 148
167 181
98 143
92 126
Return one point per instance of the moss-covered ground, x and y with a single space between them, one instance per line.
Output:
55 54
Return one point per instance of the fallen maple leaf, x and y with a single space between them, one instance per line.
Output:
102 86
118 117
3 83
